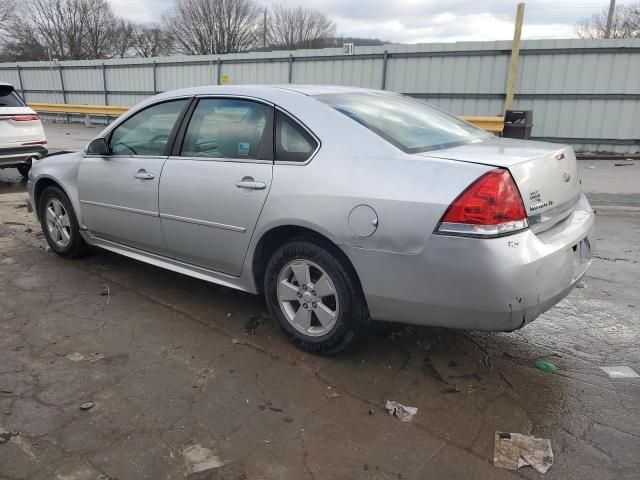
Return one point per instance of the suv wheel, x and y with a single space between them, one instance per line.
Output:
314 297
59 224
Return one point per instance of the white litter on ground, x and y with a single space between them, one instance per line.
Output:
199 459
620 372
75 356
513 450
402 412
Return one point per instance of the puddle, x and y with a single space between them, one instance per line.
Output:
11 181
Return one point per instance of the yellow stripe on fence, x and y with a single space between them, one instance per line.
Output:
102 110
490 124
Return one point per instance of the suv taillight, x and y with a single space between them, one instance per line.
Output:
489 207
25 118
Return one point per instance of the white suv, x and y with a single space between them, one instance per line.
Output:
21 134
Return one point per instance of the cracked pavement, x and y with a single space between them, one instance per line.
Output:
193 380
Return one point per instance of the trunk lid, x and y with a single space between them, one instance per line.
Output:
546 174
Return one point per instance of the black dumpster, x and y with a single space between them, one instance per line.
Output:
518 124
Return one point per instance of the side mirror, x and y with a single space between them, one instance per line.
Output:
98 146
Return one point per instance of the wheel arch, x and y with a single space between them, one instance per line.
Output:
40 186
277 236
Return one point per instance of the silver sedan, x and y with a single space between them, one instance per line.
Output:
340 205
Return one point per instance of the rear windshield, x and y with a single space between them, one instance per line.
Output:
409 124
9 98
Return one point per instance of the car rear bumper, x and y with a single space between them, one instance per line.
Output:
12 156
478 284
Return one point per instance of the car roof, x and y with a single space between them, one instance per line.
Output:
267 92
320 89
5 84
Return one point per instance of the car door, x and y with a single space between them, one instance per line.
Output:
119 192
214 186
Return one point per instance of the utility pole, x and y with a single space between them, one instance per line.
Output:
612 7
515 57
264 29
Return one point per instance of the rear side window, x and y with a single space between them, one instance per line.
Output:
293 143
229 128
9 98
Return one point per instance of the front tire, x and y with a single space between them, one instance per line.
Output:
60 224
314 296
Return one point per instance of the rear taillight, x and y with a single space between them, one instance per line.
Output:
25 118
491 206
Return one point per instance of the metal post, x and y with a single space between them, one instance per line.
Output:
22 93
218 70
290 67
384 70
64 94
104 84
612 7
515 57
155 77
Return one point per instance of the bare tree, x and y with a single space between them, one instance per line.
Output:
625 23
152 41
67 30
124 38
8 15
298 27
100 35
7 9
58 24
22 44
7 12
201 27
632 21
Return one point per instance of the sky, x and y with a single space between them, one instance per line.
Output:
423 21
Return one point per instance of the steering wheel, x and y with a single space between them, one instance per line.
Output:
158 138
126 146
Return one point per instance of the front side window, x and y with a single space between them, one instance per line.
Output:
293 143
409 124
147 132
228 128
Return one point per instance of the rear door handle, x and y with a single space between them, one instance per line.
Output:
251 184
142 174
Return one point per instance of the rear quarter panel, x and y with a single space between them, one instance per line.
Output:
354 166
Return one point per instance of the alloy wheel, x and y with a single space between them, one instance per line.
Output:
58 223
307 296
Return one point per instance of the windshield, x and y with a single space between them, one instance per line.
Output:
409 124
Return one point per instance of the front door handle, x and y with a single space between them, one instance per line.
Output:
142 174
250 184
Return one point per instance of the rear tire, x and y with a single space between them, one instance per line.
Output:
60 224
24 169
314 296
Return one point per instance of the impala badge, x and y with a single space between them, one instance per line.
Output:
566 176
